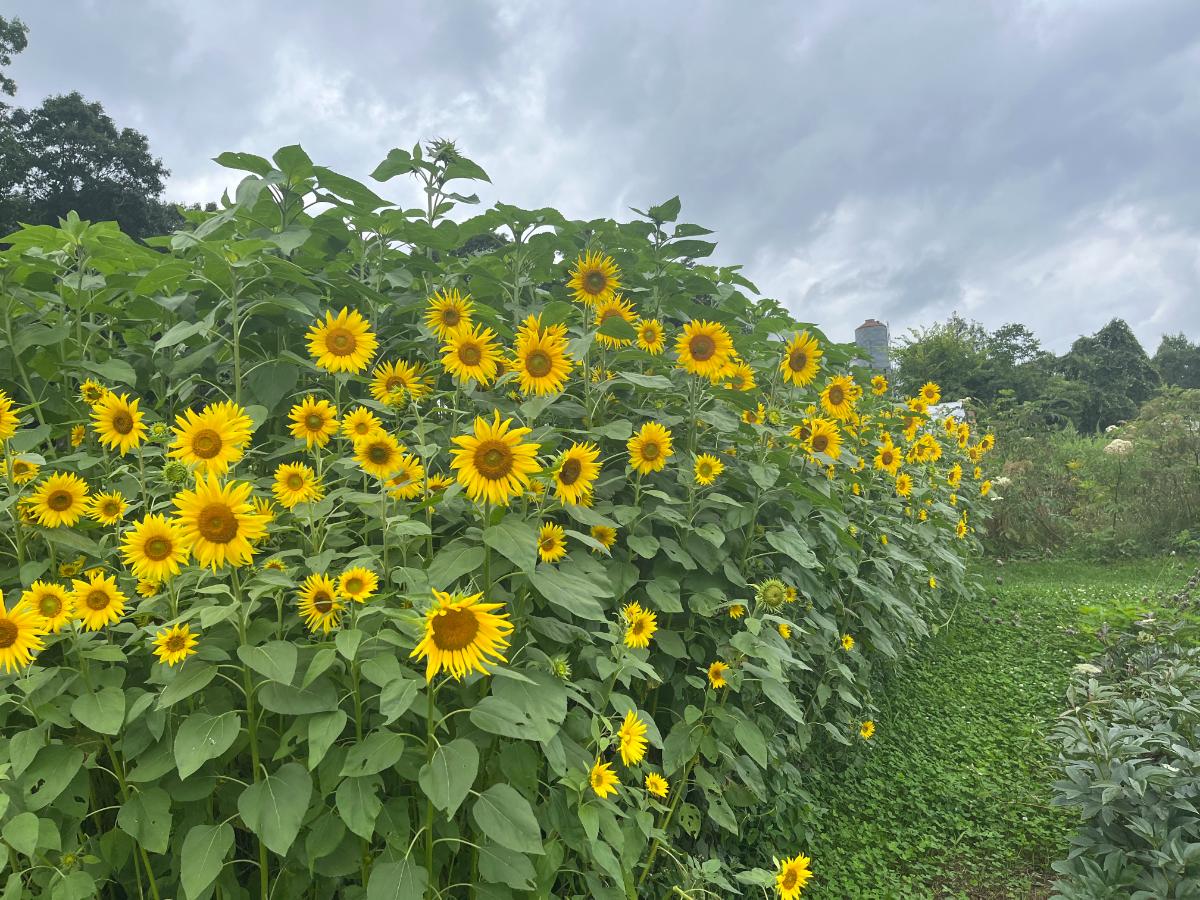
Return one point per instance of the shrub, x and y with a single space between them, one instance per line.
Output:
300 663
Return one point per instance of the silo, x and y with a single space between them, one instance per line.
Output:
872 338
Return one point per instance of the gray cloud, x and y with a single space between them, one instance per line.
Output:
1012 161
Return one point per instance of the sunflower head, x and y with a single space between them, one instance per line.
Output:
358 584
97 600
495 462
342 343
575 473
605 535
118 423
793 874
378 454
541 360
319 604
631 739
866 730
704 349
657 786
639 628
716 674
52 602
471 353
603 779
218 522
772 593
650 336
175 644
21 631
801 359
447 311
595 279
92 392
60 499
552 542
708 467
462 635
650 448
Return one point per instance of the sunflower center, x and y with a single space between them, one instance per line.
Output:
8 633
340 342
206 443
705 470
548 543
157 548
323 602
354 585
362 428
217 523
737 381
820 442
49 605
110 508
651 450
175 642
797 360
538 364
450 317
594 282
638 626
454 629
295 482
649 335
314 421
379 454
836 395
470 354
494 459
789 879
393 384
570 472
702 348
60 500
887 457
122 422
97 600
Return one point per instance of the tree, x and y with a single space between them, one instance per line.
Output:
1178 361
12 42
950 353
67 154
1116 371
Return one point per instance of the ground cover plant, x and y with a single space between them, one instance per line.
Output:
357 551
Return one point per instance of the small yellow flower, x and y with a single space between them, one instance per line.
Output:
716 674
603 779
605 535
358 584
737 611
632 738
657 786
174 645
866 730
552 542
847 643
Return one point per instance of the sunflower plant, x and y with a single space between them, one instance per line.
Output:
369 551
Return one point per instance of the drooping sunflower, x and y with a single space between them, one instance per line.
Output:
313 421
887 459
60 499
740 378
866 730
603 779
494 463
319 605
360 422
716 674
650 336
930 393
23 470
378 454
987 442
904 484
785 630
409 482
801 359
540 358
342 343
471 353
839 396
960 528
92 392
552 542
576 472
616 307
704 349
218 522
985 488
605 535
879 385
154 548
793 874
21 630
213 439
657 786
825 437
358 584
118 423
448 311
632 739
650 448
595 279
52 602
462 635
98 601
640 628
175 644
708 467
296 483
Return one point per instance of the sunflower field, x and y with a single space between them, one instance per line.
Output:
354 550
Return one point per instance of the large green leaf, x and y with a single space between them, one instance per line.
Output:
377 751
403 880
102 711
146 817
202 856
358 804
274 660
203 736
447 778
507 818
274 807
515 539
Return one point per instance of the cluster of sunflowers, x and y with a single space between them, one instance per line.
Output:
605 533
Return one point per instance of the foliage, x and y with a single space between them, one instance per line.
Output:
1178 361
12 41
283 760
1117 372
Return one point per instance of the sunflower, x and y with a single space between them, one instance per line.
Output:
447 311
657 786
964 435
97 601
360 422
148 589
92 392
409 482
358 584
716 674
603 779
213 439
175 644
23 470
388 385
736 611
708 467
650 448
274 565
930 393
552 542
985 488
462 635
118 423
435 482
960 528
848 641
887 459
154 548
575 473
839 396
494 464
378 454
824 437
987 442
472 354
793 874
343 343
605 535
541 358
704 348
72 568
632 737
785 630
21 630
741 378
879 385
904 484
296 483
772 593
754 416
59 500
314 421
619 308
650 336
52 602
218 522
594 279
801 359
866 730
319 605
640 629
78 435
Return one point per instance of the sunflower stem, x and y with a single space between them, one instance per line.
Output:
14 510
251 730
430 690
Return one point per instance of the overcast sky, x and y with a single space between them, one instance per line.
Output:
1035 162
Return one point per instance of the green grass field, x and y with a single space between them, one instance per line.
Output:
952 797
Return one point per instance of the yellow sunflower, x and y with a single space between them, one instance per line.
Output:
716 674
930 393
21 630
59 500
541 360
175 644
343 343
313 421
319 605
704 349
154 548
603 779
985 488
471 353
23 470
605 535
650 448
793 874
740 378
388 385
639 629
650 336
360 423
616 307
118 423
98 601
904 484
148 589
447 311
296 483
409 482
785 630
213 439
839 396
358 584
801 359
595 279
552 542
378 454
824 437
78 435
52 602
632 739
494 463
737 611
576 472
107 509
887 459
218 522
708 467
92 392
960 529
866 730
879 385
462 635
656 786
754 416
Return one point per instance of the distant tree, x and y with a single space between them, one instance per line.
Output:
12 41
1178 361
1116 371
950 353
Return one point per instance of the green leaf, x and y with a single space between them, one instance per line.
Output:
146 818
499 866
398 162
507 818
246 162
112 370
323 729
747 734
275 660
202 857
396 698
447 778
402 880
49 774
570 590
270 381
21 833
788 540
515 539
616 327
665 212
288 700
102 711
292 160
274 807
650 382
202 737
689 249
358 804
377 751
192 676
454 561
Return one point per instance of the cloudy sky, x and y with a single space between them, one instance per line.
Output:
1027 161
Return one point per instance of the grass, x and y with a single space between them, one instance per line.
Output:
952 797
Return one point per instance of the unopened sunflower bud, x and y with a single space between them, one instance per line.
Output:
175 472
